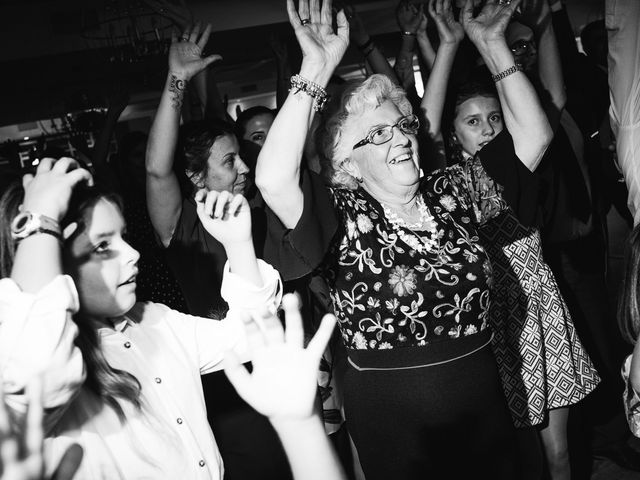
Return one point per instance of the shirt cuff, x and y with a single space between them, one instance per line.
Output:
237 291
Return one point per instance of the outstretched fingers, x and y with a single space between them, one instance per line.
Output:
294 332
320 340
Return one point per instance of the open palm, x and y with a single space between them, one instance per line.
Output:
318 42
185 55
489 25
449 30
283 383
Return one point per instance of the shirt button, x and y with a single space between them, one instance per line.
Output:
127 344
179 420
158 380
201 463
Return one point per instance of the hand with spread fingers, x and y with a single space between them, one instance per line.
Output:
48 191
185 54
449 29
313 25
227 217
283 383
490 24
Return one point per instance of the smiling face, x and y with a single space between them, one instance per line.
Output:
257 128
102 264
225 169
478 120
390 167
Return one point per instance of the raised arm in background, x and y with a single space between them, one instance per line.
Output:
622 20
523 115
451 34
408 18
164 198
283 387
425 48
536 15
278 168
372 54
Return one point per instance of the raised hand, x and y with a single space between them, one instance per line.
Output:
49 191
227 217
449 30
185 54
22 459
283 383
320 45
357 30
535 14
489 25
408 16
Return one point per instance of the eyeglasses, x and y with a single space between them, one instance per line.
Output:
380 135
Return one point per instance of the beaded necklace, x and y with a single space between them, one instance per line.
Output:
427 223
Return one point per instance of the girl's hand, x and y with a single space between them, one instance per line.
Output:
49 191
422 27
185 54
489 26
320 46
283 383
408 16
449 30
227 217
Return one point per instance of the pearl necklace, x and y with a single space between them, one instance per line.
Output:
427 223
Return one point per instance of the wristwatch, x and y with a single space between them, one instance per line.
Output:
28 223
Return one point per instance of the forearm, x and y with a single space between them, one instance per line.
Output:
308 449
550 66
37 262
436 88
163 135
379 63
426 51
243 262
523 115
404 61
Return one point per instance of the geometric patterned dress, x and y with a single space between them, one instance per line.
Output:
540 359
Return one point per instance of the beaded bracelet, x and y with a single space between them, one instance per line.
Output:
505 73
315 91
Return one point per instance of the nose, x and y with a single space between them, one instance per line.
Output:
487 129
132 255
241 166
402 138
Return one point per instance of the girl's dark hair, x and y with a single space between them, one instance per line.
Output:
248 114
195 142
629 300
108 383
478 87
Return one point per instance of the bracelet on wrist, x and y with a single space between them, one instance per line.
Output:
315 91
505 73
26 224
409 34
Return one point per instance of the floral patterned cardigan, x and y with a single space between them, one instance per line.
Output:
386 293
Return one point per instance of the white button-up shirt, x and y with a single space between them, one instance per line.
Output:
165 350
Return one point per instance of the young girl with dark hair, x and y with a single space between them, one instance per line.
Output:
122 379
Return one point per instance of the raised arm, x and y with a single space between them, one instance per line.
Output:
451 34
408 18
278 167
425 48
283 387
523 115
536 14
163 191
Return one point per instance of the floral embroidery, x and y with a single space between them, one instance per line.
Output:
387 294
403 280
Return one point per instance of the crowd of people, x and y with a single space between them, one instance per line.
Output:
169 311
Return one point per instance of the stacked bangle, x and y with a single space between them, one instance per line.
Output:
505 73
315 91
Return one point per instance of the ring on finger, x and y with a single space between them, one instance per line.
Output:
184 39
305 21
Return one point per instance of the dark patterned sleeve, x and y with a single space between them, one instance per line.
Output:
495 180
298 251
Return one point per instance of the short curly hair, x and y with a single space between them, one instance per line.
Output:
355 100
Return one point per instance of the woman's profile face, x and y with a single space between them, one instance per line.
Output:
478 120
103 265
392 164
225 168
257 128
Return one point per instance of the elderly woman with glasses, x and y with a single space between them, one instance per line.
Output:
407 278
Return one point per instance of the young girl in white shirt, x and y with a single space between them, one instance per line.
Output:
121 378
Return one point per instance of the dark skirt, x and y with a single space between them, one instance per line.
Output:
447 420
